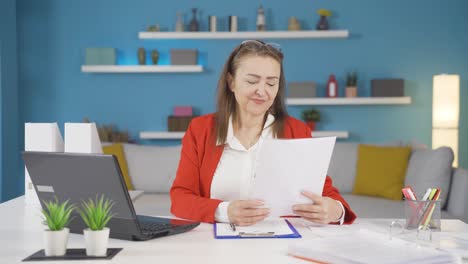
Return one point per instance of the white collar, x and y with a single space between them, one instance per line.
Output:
266 129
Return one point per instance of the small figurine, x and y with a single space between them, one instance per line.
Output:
261 19
294 24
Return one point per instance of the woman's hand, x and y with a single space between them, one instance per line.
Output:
245 212
324 209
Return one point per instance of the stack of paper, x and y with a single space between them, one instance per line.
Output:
367 247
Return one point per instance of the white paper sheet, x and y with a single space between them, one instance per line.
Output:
278 226
368 247
285 167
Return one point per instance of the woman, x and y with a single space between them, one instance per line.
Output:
218 150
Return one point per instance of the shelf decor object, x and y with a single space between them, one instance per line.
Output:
387 87
446 112
184 56
100 56
351 85
302 89
322 24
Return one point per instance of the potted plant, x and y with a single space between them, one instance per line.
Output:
351 84
311 116
96 214
56 217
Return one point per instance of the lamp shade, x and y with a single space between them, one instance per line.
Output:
446 101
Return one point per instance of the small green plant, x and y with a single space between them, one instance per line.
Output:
311 115
57 215
351 79
96 213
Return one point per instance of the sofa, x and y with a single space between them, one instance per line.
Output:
152 169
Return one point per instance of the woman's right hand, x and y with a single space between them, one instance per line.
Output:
245 212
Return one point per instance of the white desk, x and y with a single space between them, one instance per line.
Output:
21 235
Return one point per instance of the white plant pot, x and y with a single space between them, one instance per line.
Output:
55 242
96 242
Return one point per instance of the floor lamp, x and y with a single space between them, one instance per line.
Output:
445 112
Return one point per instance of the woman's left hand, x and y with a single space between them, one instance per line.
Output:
323 210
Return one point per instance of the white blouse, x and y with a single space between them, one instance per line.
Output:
234 174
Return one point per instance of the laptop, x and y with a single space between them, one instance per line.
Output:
77 177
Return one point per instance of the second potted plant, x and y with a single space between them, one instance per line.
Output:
351 84
311 117
96 214
56 217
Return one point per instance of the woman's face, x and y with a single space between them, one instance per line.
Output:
255 84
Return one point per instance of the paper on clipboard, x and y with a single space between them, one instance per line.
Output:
285 167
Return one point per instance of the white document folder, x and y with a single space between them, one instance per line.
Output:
39 137
82 138
285 167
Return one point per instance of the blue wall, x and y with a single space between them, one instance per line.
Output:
11 178
396 39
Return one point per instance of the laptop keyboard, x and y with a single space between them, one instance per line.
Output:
151 228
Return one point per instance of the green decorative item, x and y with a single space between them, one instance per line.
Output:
155 56
311 117
56 214
96 213
141 56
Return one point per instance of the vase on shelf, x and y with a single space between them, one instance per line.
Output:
141 56
194 23
179 27
323 23
155 56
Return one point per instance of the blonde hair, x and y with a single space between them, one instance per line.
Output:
226 102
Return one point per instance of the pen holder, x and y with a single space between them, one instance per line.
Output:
423 215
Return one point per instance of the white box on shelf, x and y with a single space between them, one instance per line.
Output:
82 138
39 137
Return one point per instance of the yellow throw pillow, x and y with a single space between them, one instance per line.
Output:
118 151
381 171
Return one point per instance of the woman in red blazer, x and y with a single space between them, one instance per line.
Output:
250 103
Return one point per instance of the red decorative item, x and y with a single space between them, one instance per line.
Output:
311 125
332 87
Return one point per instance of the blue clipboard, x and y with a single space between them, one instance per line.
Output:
295 234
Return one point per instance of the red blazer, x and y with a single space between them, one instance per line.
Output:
190 192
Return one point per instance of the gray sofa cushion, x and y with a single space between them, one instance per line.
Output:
430 169
342 168
152 168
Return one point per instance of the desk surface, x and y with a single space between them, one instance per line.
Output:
21 235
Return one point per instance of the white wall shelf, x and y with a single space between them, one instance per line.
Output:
246 34
141 68
179 135
350 101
